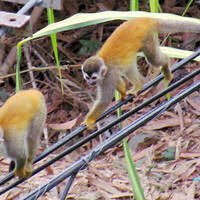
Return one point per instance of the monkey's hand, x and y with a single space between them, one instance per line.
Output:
133 91
89 122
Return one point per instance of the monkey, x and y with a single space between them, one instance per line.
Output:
22 118
117 59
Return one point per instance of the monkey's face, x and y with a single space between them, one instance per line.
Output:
94 70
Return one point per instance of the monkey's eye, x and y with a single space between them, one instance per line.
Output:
94 77
86 76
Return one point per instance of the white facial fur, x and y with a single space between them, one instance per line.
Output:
95 76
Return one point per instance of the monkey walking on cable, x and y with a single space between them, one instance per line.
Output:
117 58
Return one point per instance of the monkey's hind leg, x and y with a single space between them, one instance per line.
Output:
156 57
17 150
135 78
33 140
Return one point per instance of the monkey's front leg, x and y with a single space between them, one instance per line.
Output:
105 93
95 113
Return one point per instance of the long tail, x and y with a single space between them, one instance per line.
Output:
179 25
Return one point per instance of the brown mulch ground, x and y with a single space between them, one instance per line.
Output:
166 150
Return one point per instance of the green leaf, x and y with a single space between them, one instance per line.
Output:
85 19
133 176
175 53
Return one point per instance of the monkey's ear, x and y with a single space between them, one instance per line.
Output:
103 70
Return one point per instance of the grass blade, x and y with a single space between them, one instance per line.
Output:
134 5
54 44
133 176
154 6
18 77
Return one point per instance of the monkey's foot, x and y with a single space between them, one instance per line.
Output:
28 173
23 172
20 172
29 168
167 73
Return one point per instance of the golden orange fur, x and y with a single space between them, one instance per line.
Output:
126 41
117 58
22 118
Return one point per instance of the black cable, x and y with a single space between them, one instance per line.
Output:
108 126
124 116
113 108
121 118
80 129
66 190
49 150
112 140
152 82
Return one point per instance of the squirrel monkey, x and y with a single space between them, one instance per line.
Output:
117 58
22 119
